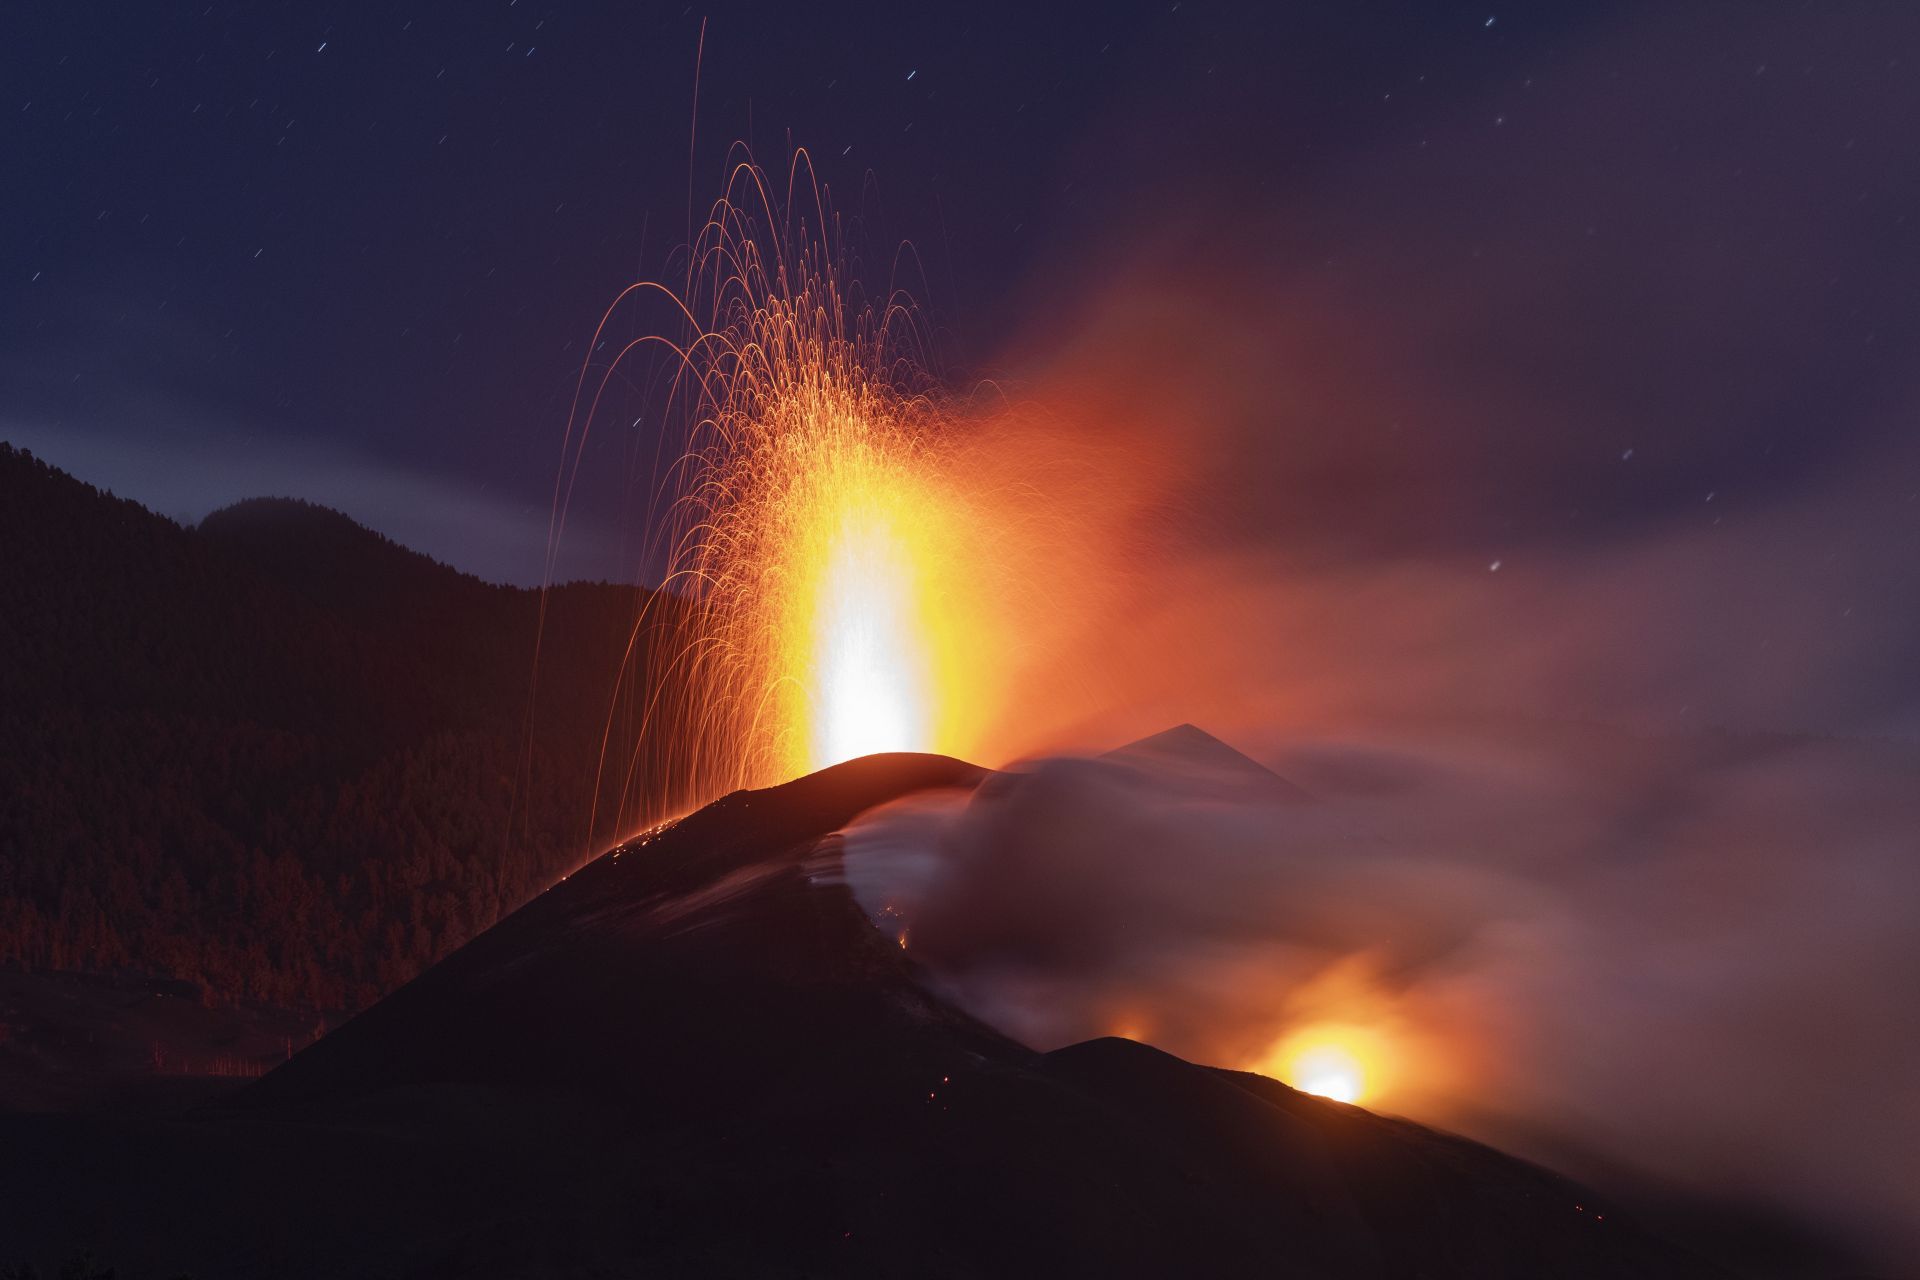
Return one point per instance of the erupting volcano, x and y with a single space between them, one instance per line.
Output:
1164 640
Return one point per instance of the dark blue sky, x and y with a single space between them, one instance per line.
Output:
354 251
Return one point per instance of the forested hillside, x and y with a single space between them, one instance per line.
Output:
277 755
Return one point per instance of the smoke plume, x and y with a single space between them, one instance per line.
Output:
1689 957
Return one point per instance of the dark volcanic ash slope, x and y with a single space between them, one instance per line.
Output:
698 1056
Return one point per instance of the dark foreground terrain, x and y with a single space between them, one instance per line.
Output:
697 1056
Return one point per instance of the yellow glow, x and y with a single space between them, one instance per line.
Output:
832 560
870 688
1343 1062
847 578
1331 1073
865 652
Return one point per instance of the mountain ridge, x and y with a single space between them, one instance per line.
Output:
291 768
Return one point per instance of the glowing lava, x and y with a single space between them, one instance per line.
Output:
869 680
1329 1072
824 561
852 626
1335 1061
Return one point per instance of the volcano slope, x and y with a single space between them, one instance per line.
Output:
698 1056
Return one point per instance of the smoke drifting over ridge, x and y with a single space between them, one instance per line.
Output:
1688 957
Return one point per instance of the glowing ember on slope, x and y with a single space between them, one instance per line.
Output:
1345 1063
1329 1072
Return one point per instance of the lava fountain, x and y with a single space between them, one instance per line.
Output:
816 543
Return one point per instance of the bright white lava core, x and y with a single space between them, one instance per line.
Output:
870 683
1330 1074
1340 1060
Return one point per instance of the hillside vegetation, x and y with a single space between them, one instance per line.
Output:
277 755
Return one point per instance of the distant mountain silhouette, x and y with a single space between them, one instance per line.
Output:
331 559
697 1056
1189 749
278 755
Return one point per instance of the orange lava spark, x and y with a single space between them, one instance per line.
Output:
818 548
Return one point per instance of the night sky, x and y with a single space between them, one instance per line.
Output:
1451 280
